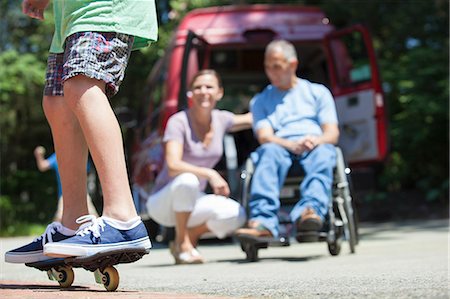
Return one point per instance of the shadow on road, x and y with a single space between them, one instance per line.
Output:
284 258
56 288
19 286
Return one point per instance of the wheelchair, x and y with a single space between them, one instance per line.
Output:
340 224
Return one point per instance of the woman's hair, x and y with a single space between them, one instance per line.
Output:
207 72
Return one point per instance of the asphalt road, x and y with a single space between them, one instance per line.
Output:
392 260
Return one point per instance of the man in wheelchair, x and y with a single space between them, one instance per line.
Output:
295 121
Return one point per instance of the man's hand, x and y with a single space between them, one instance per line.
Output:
296 147
307 143
34 8
218 184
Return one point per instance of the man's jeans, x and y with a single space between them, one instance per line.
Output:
272 164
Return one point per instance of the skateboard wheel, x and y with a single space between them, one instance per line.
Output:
65 276
110 278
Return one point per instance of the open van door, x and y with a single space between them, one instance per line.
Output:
197 56
191 63
356 86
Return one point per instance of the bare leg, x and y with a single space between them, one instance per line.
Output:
71 152
87 100
91 207
58 214
196 232
182 240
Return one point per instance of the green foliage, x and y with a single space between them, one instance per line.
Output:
27 197
23 229
20 82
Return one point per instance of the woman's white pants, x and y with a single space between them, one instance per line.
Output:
222 215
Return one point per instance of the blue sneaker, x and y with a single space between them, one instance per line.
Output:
99 236
33 252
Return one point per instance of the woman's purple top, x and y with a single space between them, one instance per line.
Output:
179 128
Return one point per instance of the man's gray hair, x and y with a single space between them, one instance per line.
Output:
284 47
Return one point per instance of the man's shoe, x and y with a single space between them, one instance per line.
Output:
33 252
309 221
97 235
308 226
254 229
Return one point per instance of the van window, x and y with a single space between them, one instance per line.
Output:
242 74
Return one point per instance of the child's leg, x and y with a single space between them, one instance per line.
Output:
87 100
102 56
71 152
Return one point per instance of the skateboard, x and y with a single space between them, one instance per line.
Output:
102 264
251 244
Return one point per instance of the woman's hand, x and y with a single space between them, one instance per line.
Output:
218 184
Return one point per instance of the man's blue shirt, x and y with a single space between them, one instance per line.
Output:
296 112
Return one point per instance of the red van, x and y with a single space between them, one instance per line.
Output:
231 40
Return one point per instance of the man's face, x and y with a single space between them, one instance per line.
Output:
279 70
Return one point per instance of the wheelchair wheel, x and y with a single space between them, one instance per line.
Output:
345 202
334 247
350 226
355 211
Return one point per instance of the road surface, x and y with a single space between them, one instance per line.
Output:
392 260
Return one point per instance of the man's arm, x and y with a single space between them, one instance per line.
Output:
330 134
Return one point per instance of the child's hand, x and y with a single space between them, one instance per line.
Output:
34 8
39 151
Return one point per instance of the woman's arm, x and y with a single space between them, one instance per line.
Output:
241 122
176 166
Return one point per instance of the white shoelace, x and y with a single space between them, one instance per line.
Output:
90 223
51 229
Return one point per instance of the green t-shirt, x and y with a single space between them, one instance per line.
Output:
133 17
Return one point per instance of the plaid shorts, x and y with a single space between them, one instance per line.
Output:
99 55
